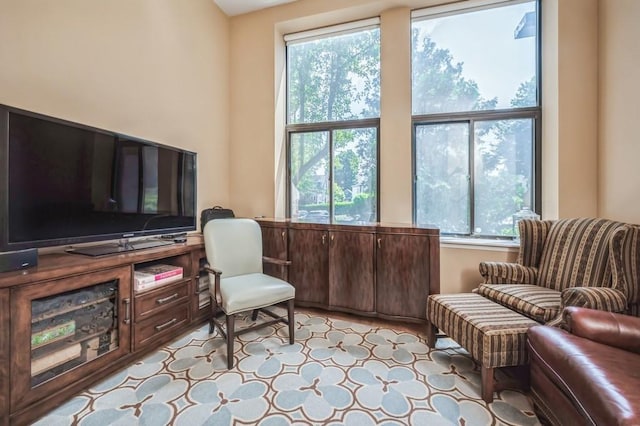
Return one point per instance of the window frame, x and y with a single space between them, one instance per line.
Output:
328 126
470 117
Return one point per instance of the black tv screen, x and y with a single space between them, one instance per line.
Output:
67 183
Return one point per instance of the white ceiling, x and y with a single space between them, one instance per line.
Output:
238 7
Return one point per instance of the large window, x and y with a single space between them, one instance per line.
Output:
476 116
333 109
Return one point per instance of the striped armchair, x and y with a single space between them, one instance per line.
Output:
593 263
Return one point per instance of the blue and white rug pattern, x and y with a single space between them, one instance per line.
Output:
337 373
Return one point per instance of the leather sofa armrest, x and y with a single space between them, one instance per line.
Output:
608 328
507 273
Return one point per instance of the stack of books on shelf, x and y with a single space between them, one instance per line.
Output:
55 332
101 344
152 276
57 329
54 359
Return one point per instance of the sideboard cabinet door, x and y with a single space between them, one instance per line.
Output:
402 272
309 270
275 244
351 271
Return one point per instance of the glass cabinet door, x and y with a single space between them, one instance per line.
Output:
71 327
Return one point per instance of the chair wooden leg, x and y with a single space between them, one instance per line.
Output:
254 314
486 384
432 335
213 314
292 324
230 333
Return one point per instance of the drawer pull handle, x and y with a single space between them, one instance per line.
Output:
166 324
379 242
283 235
167 299
127 311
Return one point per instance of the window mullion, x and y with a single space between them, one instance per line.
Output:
331 171
477 115
472 177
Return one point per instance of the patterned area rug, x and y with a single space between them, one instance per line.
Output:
337 373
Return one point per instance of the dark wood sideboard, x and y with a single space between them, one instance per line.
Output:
379 270
73 320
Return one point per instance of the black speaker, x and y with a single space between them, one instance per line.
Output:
21 259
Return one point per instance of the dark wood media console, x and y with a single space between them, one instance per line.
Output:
73 320
380 270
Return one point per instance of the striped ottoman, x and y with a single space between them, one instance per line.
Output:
494 335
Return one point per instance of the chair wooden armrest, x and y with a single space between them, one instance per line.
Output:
216 297
275 261
212 270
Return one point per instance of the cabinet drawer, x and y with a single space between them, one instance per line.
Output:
153 301
161 324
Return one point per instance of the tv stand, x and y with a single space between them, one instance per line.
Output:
72 321
124 247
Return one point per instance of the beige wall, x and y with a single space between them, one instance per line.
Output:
183 74
154 69
569 117
577 107
395 113
619 93
570 108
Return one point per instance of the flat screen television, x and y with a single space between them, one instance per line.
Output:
65 183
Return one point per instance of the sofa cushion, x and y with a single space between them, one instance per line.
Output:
538 303
602 381
576 254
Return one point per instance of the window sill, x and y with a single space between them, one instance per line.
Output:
479 244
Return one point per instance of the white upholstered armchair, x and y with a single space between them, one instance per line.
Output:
238 284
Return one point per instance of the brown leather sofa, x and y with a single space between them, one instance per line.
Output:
590 374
